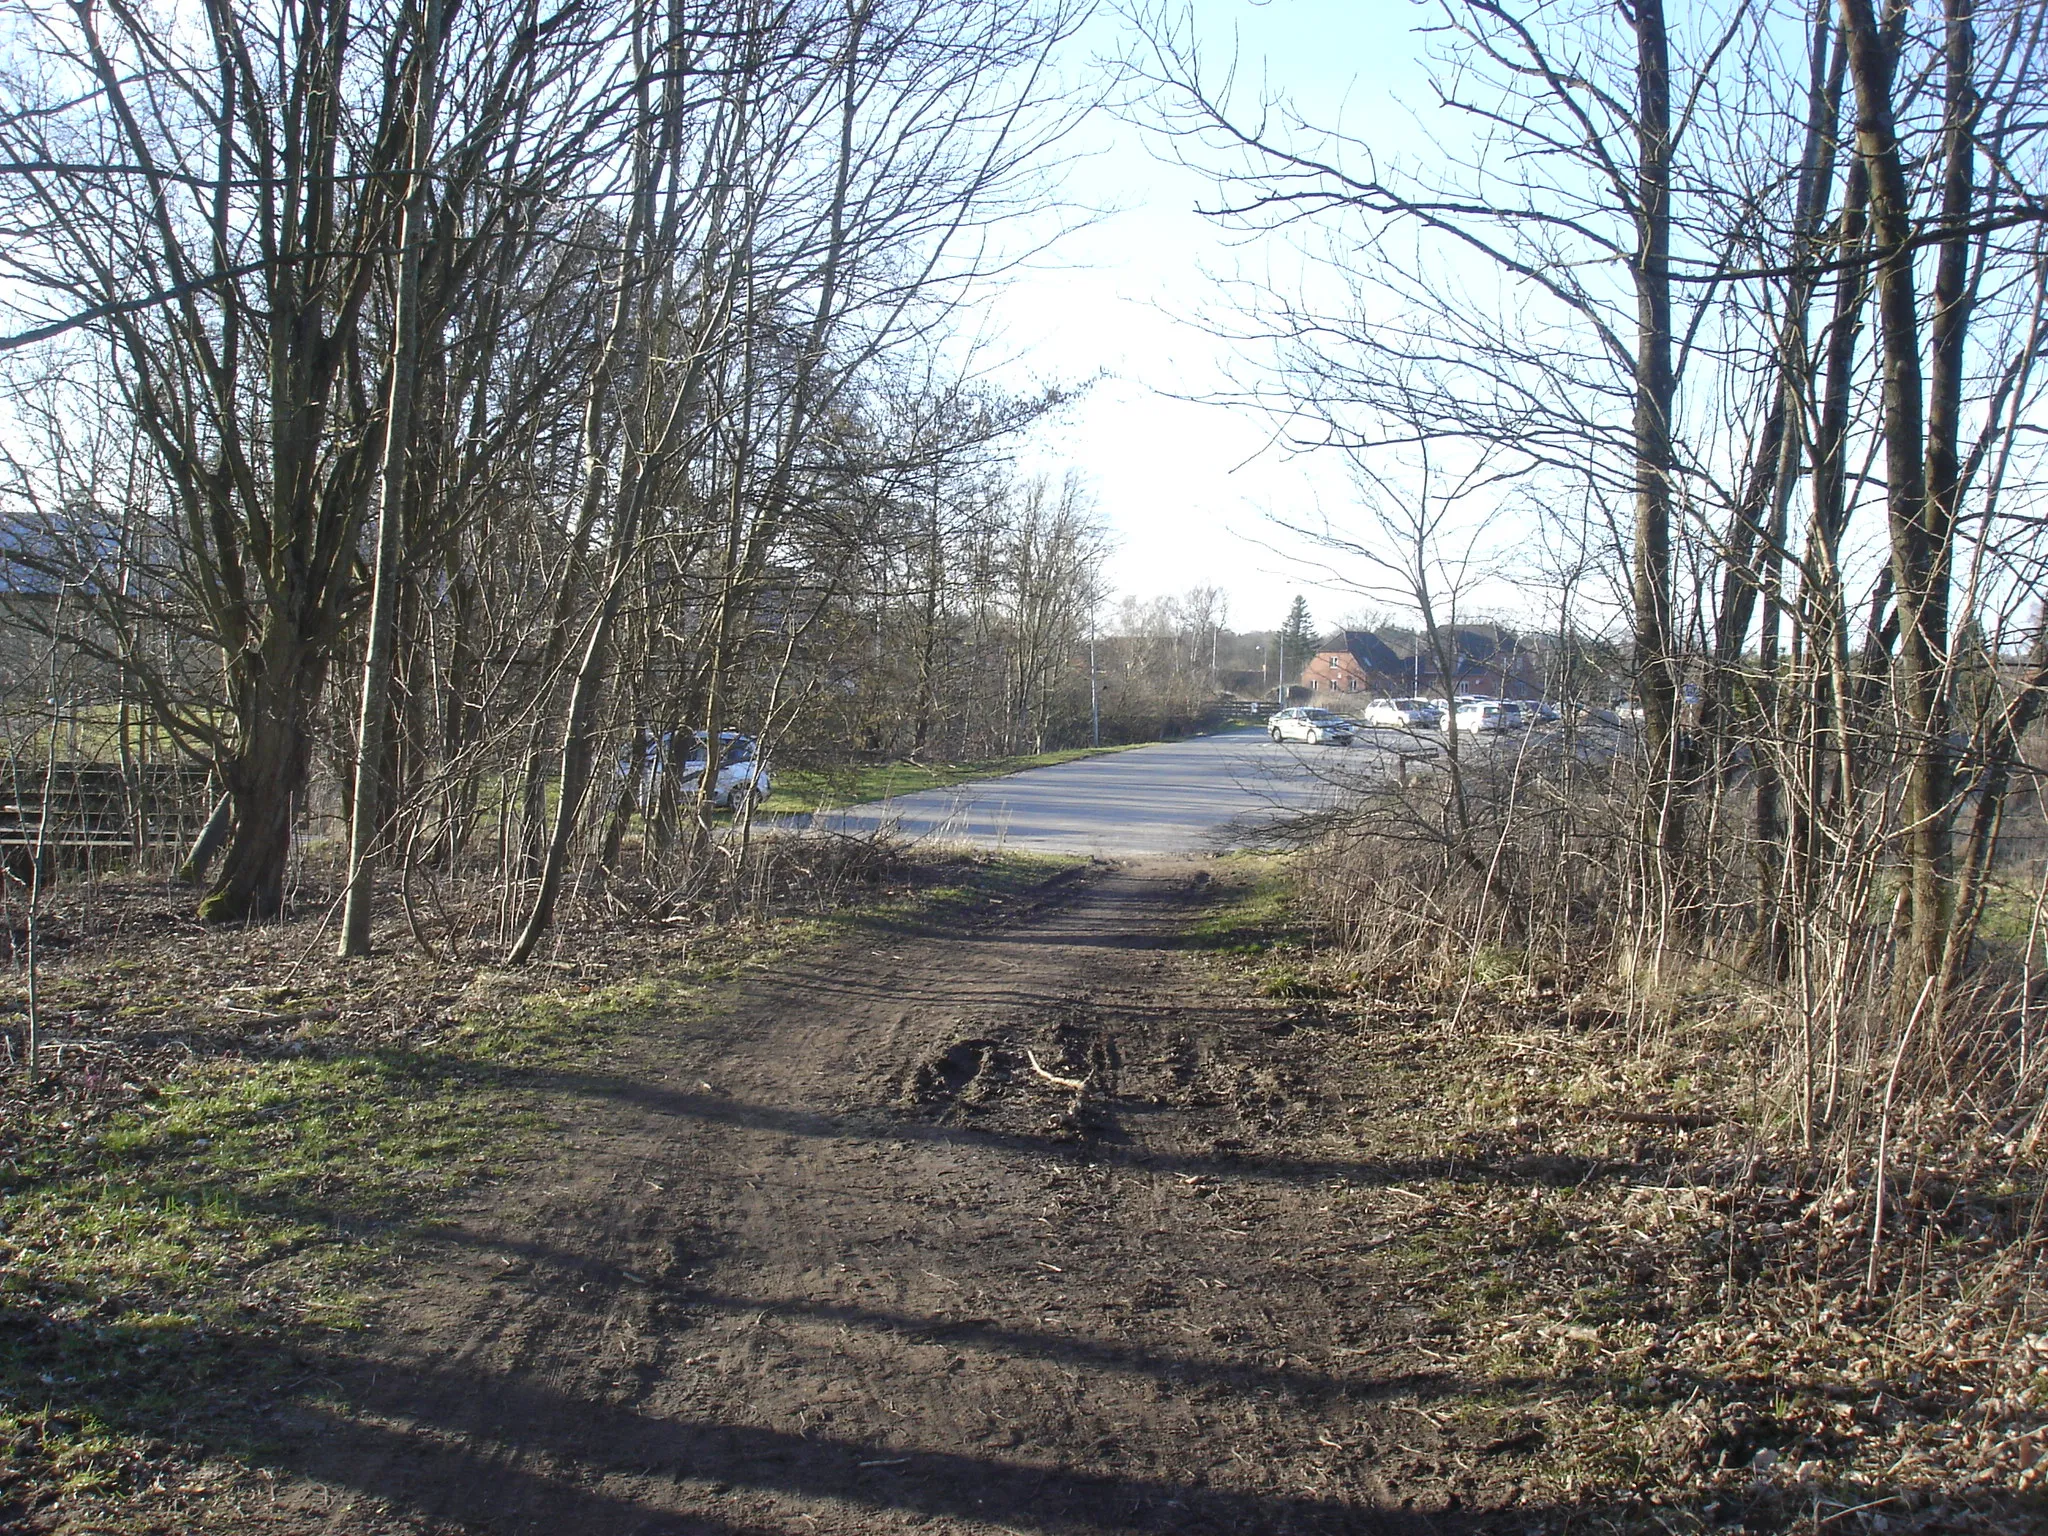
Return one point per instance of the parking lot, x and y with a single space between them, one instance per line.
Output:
1205 794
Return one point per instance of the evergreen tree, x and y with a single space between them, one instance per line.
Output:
1297 639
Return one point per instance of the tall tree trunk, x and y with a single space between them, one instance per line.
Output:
1830 759
1920 517
1655 652
579 734
2000 742
633 776
265 776
659 402
1929 792
461 710
930 600
1827 70
366 821
1741 581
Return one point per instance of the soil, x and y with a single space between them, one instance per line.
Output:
1044 1214
834 1254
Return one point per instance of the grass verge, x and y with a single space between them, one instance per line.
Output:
1253 910
162 1261
799 790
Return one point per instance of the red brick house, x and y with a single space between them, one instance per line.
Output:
1366 665
1489 661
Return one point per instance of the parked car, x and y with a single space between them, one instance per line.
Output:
1483 717
1403 714
1432 710
743 779
1306 723
1531 711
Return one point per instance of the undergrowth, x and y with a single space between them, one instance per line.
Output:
1656 1291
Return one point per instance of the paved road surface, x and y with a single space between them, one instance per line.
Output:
1177 797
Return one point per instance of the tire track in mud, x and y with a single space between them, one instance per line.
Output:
831 1255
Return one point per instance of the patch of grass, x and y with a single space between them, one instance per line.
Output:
157 1275
798 790
2008 918
1257 923
1255 912
1493 1291
1495 964
1288 985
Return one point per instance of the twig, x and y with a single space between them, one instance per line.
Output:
319 929
1855 1509
1072 1084
1884 1134
412 917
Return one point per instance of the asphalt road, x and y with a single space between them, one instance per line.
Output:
1193 796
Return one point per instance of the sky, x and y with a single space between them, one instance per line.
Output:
1187 488
1190 491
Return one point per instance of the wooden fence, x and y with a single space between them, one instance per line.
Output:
97 805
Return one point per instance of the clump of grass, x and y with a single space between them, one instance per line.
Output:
1292 986
1254 911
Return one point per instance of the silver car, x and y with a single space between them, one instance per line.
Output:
1318 726
1482 717
743 778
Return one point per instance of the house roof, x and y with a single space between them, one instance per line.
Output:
1473 650
1479 645
1372 653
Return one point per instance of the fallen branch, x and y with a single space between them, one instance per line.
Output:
1071 1084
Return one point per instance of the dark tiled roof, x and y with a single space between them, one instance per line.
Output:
1477 645
1373 653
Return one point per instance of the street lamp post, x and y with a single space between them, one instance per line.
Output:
1094 692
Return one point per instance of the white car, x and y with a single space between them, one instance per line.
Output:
743 779
1319 726
1403 714
1483 717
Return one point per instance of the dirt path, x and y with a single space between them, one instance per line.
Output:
826 1256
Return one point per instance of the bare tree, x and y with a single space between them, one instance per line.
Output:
216 205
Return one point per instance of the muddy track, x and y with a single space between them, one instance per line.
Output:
830 1254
